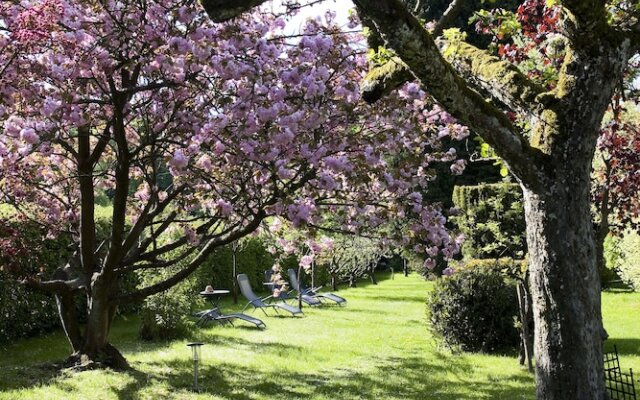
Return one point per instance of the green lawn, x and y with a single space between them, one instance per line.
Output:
377 347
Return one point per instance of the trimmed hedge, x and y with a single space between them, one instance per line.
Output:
475 309
492 220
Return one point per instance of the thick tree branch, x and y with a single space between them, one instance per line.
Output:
587 12
57 286
146 216
122 182
384 79
508 88
634 35
500 79
87 199
585 22
224 10
415 46
194 264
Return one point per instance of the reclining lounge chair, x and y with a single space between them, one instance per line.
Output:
312 292
284 296
257 302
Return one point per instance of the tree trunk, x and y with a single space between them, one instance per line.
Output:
565 288
334 282
234 280
69 319
405 267
372 274
526 342
352 281
91 349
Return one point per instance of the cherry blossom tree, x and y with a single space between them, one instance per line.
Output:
546 131
198 132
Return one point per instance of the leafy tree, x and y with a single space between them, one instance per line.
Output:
198 132
353 257
543 118
616 179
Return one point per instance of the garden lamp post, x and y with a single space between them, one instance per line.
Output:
195 351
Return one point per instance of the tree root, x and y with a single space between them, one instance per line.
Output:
108 357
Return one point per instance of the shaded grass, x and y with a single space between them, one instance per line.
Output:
377 347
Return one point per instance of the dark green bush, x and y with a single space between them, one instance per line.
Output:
24 312
492 220
507 267
166 315
252 259
474 310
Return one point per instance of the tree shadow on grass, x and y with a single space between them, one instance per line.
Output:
625 346
16 377
412 378
419 298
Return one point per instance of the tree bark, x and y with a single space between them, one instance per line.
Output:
565 287
526 345
372 274
69 319
334 282
95 349
603 229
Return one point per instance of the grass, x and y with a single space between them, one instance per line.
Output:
377 347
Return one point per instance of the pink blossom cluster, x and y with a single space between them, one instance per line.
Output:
229 122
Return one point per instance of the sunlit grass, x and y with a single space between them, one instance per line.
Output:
377 347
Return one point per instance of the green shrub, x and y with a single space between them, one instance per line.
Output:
474 310
24 312
166 315
507 267
492 220
623 255
252 259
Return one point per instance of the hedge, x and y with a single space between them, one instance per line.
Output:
475 309
492 220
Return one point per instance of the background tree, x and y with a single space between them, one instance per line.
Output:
353 257
616 179
198 132
547 134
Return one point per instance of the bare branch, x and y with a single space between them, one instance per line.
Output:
450 14
54 285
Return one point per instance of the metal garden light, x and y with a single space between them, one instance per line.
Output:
195 350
